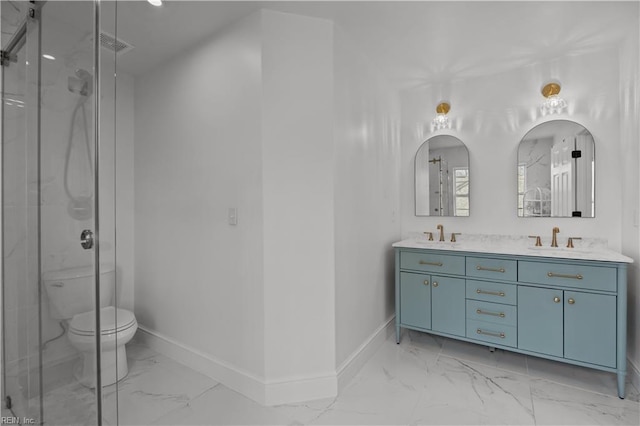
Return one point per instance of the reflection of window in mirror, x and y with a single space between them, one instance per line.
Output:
461 183
522 185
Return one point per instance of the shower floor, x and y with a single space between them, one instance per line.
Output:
424 380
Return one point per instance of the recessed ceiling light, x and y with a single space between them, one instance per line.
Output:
51 58
155 2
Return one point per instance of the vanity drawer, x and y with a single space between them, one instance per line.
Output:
491 292
492 312
499 269
500 334
431 262
568 275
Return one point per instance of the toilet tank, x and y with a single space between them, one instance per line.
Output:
71 291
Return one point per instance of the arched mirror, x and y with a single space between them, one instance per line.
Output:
442 177
556 171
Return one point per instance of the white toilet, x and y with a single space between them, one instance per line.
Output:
71 297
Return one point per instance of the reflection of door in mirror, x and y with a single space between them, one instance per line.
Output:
562 176
556 163
572 176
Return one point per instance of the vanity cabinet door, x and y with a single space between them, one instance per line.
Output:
415 300
448 305
590 328
540 320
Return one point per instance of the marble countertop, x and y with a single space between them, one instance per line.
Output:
585 249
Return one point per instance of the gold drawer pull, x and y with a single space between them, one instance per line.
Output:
571 301
435 283
486 333
423 262
495 314
554 275
556 299
482 268
491 293
426 282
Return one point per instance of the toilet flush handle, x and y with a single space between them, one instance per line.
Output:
86 239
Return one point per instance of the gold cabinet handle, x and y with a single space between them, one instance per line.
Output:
556 299
554 275
426 282
424 262
495 314
571 301
482 268
486 333
490 293
435 283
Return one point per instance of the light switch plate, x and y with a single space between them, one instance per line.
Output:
233 216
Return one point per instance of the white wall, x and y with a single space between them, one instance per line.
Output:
297 154
629 157
283 119
491 115
199 280
367 196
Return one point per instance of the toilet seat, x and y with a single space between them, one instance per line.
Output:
85 324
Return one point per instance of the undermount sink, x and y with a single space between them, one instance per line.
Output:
564 250
436 243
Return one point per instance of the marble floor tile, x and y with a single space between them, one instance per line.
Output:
222 406
506 360
464 392
556 404
155 386
374 398
423 380
581 377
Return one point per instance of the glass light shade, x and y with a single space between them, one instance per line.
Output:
441 121
554 104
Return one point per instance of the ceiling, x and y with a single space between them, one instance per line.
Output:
415 43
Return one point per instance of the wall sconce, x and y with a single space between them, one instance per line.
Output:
441 121
553 103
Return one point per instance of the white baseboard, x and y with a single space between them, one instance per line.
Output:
350 367
286 391
634 374
229 375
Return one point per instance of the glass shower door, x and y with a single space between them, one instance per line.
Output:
48 206
21 373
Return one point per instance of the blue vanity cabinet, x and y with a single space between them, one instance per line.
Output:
430 292
415 299
540 320
568 310
432 302
590 328
448 305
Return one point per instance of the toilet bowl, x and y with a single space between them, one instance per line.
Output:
117 328
71 297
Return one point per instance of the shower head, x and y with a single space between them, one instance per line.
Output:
82 83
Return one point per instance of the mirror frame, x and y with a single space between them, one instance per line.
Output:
415 171
592 172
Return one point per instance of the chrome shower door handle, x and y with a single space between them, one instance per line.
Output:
86 239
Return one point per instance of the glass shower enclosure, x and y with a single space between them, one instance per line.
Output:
58 204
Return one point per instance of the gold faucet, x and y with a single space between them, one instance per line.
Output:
429 234
453 236
441 228
570 242
554 240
